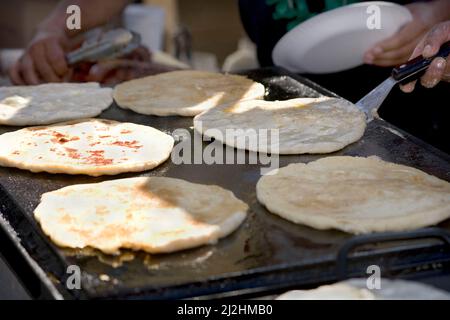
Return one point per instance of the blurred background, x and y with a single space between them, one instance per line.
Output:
203 34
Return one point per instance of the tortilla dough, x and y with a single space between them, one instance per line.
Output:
356 195
184 93
154 214
52 102
93 146
305 125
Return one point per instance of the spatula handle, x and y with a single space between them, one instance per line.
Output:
414 68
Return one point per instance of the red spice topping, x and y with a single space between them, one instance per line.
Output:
60 138
99 161
98 153
96 157
72 153
129 144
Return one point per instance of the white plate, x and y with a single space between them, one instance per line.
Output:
336 40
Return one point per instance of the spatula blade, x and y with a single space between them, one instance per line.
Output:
373 100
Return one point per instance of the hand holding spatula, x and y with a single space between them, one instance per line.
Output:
439 68
407 72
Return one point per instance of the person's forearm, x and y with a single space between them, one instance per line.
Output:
93 14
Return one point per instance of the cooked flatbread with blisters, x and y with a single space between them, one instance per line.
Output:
356 195
52 102
154 214
184 93
92 146
304 125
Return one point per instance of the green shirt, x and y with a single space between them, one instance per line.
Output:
298 10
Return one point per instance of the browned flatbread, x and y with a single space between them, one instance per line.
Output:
185 93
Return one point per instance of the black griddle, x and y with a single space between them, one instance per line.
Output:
266 253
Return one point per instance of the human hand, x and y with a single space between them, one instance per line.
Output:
43 60
134 65
439 68
116 71
397 49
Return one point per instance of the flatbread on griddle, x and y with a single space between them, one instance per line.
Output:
184 93
305 125
357 289
154 214
92 146
52 103
356 195
336 291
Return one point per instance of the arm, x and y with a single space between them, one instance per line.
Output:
44 58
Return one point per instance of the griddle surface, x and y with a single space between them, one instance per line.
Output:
263 241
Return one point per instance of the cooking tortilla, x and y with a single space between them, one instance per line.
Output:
356 195
357 289
305 125
154 214
337 291
184 93
52 102
92 146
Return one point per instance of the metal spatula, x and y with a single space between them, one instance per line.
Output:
410 71
107 45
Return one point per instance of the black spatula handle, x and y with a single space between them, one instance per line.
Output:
414 68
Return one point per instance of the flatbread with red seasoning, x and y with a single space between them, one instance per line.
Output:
91 146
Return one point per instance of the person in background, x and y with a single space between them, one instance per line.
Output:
439 70
421 113
266 21
44 58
